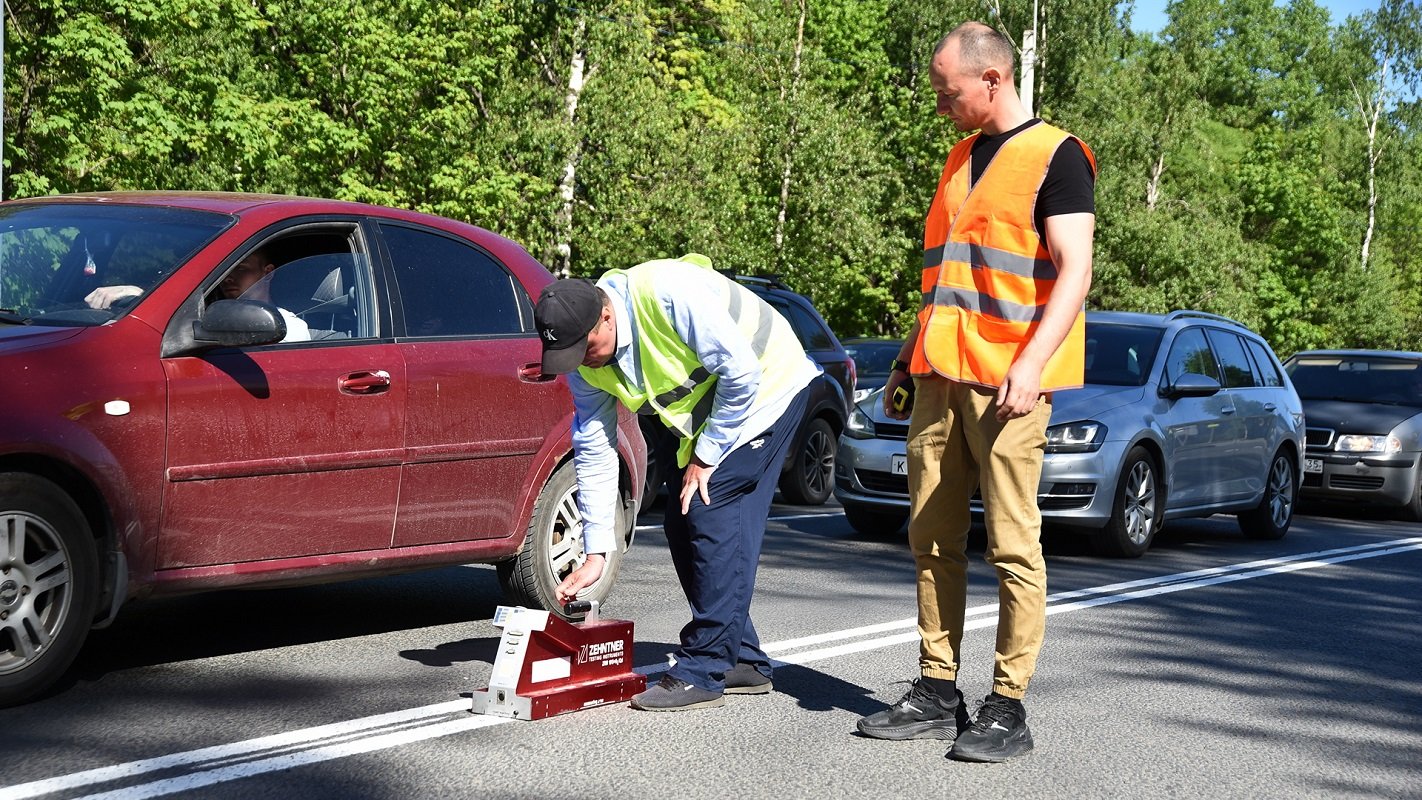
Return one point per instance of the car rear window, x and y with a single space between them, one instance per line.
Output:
1234 360
808 330
1120 355
873 358
54 255
1360 379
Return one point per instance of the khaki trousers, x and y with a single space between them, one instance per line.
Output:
956 445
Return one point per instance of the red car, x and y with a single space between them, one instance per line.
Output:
206 391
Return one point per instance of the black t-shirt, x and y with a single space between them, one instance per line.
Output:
1070 185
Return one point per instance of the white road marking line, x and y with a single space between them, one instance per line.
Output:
214 765
225 751
658 526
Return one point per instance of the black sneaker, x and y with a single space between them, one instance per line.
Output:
921 714
675 694
999 732
745 679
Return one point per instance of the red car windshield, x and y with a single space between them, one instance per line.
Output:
84 264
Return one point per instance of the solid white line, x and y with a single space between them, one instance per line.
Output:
304 736
362 736
1163 586
198 780
771 519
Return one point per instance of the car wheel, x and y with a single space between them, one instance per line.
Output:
1412 510
48 585
873 522
810 480
1137 511
553 548
652 486
1271 518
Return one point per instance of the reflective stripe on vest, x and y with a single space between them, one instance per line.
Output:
987 274
679 390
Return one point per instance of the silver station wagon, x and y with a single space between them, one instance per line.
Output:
1183 415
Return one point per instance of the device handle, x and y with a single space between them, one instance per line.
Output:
581 606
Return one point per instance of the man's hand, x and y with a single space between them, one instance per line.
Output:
1020 392
695 481
104 296
896 379
581 578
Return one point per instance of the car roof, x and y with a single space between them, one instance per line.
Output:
1175 319
1398 354
221 202
240 202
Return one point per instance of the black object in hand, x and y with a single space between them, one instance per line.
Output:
903 397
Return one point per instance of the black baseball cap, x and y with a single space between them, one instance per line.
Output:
566 313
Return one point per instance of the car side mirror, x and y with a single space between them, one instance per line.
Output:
239 323
1191 384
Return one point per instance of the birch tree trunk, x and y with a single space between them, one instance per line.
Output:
567 185
788 98
1371 107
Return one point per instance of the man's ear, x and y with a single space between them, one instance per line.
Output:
992 77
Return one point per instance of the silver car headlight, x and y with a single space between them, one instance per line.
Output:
1076 437
1368 445
859 425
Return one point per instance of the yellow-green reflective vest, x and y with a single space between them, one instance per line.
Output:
674 385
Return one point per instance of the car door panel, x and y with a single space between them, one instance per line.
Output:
473 429
478 408
269 458
1250 424
293 449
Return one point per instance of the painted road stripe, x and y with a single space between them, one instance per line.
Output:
658 526
222 763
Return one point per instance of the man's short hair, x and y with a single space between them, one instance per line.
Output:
981 47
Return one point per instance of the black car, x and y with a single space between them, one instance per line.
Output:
1363 412
808 475
873 358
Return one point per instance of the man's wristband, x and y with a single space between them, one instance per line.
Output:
899 366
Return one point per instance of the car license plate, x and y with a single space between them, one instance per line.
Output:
1313 465
898 465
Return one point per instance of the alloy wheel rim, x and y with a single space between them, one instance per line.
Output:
1139 512
1281 493
36 591
819 462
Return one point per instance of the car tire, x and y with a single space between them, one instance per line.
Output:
1412 509
651 486
553 548
48 585
810 479
1272 517
1136 511
874 522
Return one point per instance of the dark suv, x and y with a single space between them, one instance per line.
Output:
808 475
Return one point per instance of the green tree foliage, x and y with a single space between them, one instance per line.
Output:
1257 159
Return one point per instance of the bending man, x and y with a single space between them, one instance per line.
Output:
724 373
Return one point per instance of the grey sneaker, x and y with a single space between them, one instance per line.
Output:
921 714
745 679
674 694
999 732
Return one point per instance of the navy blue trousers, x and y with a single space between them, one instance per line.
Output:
716 549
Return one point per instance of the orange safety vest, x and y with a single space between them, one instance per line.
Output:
986 273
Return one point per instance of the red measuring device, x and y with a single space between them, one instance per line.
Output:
547 666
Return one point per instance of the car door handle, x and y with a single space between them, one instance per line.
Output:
366 382
533 373
1227 410
1270 406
